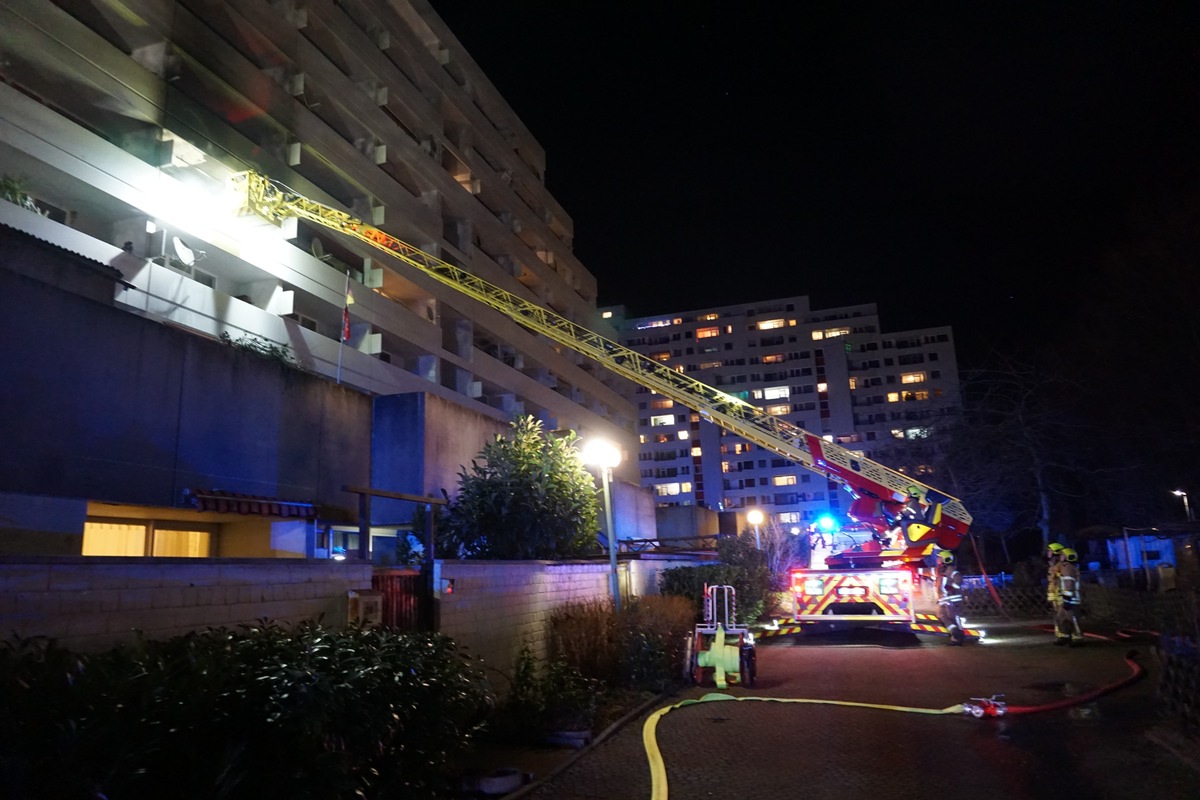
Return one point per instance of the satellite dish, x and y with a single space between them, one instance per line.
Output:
184 253
318 249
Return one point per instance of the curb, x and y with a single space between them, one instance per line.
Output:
603 735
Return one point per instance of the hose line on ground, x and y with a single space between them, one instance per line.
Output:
658 770
985 707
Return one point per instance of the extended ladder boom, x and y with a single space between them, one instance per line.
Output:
947 520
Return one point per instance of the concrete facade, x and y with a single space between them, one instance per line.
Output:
124 264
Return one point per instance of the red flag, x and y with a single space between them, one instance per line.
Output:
346 324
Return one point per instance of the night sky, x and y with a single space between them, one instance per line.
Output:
966 164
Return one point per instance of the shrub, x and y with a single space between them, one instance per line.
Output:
584 636
526 496
742 566
641 648
546 697
654 634
259 712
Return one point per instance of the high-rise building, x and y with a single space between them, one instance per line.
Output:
133 290
833 372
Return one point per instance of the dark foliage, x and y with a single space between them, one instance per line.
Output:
258 712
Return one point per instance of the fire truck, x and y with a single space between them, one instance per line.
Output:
901 520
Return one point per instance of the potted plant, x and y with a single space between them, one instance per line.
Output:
15 190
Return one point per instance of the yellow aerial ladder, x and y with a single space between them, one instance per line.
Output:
887 501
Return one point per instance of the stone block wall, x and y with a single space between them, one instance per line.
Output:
497 606
90 604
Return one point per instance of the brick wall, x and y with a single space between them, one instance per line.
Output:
95 603
497 606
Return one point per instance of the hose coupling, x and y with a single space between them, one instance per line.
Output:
986 707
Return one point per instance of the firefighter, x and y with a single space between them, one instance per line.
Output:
1066 613
950 597
1053 558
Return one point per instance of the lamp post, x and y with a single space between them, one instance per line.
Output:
604 455
1187 509
755 518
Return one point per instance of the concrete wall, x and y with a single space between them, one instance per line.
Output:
156 410
91 604
419 442
633 511
497 606
679 522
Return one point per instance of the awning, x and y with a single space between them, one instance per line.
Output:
220 502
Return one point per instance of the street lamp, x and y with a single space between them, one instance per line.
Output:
1187 509
605 455
755 518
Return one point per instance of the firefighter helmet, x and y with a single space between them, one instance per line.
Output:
1055 548
1070 555
945 556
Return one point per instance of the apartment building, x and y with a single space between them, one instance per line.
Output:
140 413
833 372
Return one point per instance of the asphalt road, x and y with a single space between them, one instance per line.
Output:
1103 748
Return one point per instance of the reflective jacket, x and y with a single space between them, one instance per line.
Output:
1068 584
949 585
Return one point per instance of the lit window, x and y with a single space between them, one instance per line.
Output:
770 324
662 419
779 409
724 466
662 403
696 451
776 393
912 377
641 438
606 315
898 433
658 323
854 383
830 333
921 395
738 448
709 317
665 355
784 480
822 387
667 489
685 487
916 433
684 435
113 539
707 333
774 358
710 365
893 397
789 517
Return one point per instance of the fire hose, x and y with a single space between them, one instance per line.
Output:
979 707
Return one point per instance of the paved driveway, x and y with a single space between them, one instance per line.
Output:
761 749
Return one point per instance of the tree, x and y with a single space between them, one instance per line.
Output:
526 496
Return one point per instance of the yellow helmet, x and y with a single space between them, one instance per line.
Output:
1055 548
945 556
1070 555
